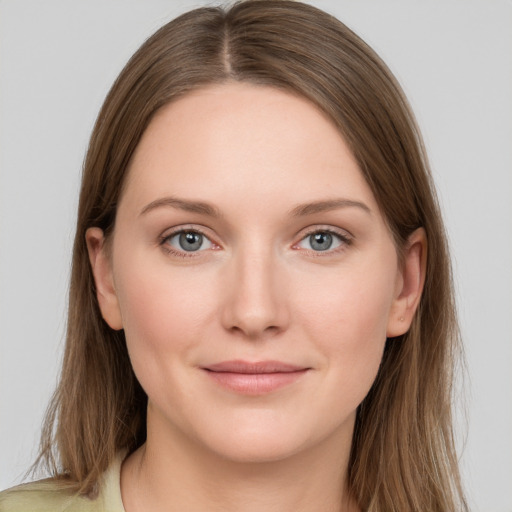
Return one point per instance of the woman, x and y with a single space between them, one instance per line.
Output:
254 320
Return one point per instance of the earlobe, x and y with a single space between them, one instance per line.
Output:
102 271
410 284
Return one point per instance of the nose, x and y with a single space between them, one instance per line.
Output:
255 304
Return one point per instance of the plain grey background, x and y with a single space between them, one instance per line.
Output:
454 59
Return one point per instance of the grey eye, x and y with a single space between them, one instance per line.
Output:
320 241
189 241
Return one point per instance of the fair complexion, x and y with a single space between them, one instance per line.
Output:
256 281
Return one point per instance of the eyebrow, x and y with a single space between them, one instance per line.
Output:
300 210
327 205
182 204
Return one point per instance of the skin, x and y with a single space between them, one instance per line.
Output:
256 290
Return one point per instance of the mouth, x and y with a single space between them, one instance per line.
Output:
254 378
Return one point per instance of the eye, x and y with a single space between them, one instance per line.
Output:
188 241
323 240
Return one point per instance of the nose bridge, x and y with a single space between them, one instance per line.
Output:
256 302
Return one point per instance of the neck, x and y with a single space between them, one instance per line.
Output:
175 473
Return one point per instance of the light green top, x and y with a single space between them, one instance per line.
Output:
46 496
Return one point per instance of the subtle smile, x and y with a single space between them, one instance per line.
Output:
255 378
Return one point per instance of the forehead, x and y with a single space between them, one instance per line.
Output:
255 142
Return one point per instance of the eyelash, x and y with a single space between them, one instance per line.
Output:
182 254
344 238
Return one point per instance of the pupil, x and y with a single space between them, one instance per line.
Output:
191 241
321 241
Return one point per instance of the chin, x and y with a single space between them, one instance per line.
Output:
264 438
257 448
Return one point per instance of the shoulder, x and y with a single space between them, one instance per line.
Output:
44 496
51 496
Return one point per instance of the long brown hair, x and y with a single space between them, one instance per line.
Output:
403 455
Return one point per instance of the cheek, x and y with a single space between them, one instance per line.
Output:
347 317
163 314
158 301
352 304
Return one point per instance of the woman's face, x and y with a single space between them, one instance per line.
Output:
252 272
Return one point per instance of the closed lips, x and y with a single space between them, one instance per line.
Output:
254 379
254 368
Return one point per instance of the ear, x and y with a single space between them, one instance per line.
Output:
410 282
102 270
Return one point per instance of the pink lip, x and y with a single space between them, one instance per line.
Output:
254 378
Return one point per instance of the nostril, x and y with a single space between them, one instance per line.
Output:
255 331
